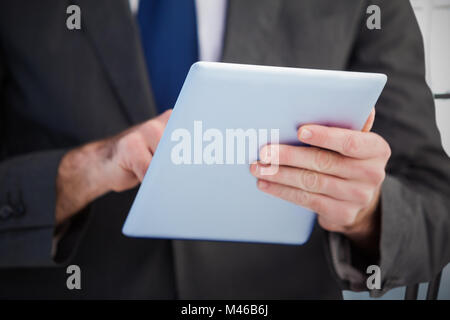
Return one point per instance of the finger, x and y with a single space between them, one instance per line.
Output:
312 158
351 143
315 182
153 129
369 122
141 163
134 154
336 211
164 117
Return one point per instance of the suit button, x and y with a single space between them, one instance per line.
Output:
5 212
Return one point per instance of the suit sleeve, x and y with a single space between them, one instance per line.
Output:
27 202
415 199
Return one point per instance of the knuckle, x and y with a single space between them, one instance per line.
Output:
387 150
364 195
384 146
374 175
381 176
129 141
302 198
309 179
137 165
323 160
347 216
351 144
377 176
144 165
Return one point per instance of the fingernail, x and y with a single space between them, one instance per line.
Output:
305 134
262 184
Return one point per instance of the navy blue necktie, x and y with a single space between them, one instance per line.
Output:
169 38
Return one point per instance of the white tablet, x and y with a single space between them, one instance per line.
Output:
199 186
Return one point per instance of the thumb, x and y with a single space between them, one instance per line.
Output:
164 117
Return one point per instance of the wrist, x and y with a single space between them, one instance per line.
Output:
80 179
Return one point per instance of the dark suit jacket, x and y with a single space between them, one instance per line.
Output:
62 88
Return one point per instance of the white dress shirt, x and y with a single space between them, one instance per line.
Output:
210 27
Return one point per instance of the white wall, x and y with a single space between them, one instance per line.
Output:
434 21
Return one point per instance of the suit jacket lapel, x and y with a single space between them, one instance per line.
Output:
110 27
248 28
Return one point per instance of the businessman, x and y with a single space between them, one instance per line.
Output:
82 112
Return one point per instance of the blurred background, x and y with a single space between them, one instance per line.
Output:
434 21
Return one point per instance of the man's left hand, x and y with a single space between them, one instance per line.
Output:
339 177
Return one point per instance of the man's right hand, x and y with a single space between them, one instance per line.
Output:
114 164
